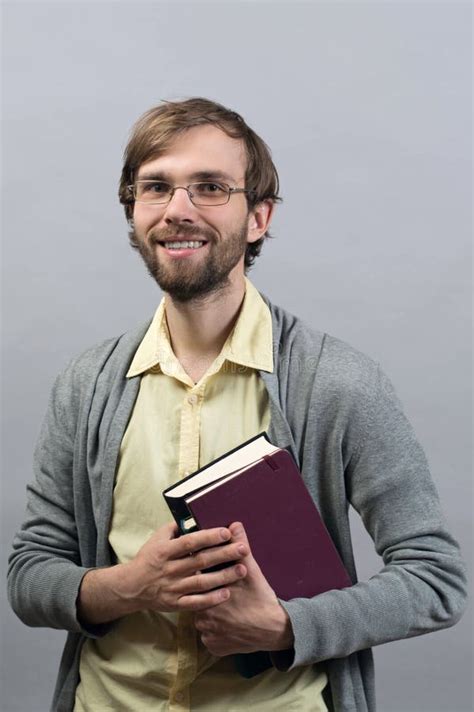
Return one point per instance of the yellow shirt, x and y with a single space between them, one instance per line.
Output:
156 661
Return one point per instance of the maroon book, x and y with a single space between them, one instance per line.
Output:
285 530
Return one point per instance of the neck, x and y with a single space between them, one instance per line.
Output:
199 328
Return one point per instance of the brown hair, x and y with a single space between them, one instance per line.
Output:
155 130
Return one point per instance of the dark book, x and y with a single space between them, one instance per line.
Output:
260 485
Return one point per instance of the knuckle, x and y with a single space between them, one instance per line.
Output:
200 582
189 603
165 578
199 539
182 604
159 559
231 573
200 561
160 549
187 542
168 595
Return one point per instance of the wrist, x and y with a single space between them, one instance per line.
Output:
105 595
284 636
123 582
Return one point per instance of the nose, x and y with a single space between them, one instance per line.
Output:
180 207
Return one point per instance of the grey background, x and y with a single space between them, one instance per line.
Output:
367 109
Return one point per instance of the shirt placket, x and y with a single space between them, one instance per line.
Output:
188 461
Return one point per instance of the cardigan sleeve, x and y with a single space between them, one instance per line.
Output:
422 585
45 571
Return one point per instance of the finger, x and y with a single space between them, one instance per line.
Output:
203 539
202 601
203 582
207 558
218 556
239 534
166 532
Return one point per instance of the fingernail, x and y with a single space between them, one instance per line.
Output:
241 549
224 594
239 570
225 534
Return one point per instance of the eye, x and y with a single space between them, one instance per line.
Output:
210 189
156 187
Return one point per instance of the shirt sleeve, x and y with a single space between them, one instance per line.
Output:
45 571
422 585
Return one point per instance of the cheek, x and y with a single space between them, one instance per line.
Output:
144 218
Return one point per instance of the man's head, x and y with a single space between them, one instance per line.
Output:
183 143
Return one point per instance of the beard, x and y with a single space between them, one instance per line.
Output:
181 279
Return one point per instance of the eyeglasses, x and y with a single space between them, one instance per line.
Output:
156 192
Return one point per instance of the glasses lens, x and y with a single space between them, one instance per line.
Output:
150 191
209 193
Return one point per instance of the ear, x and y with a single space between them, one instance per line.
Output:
259 220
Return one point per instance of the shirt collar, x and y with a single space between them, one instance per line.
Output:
249 344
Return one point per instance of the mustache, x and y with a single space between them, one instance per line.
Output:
183 231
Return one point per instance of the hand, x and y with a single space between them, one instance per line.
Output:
168 574
251 619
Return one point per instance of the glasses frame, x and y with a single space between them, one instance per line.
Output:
230 191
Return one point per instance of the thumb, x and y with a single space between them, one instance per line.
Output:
239 535
255 577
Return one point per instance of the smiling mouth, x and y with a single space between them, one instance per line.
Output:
182 244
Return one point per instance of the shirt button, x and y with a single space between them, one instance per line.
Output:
192 400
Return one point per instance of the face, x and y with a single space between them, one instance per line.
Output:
222 232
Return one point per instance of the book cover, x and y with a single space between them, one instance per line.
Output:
260 485
286 533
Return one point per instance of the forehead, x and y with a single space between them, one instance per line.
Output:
200 149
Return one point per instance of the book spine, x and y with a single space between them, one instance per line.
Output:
181 514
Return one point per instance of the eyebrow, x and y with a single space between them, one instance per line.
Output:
197 175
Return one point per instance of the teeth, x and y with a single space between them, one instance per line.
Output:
181 245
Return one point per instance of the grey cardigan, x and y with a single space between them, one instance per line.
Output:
345 427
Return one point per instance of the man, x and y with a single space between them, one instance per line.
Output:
150 627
